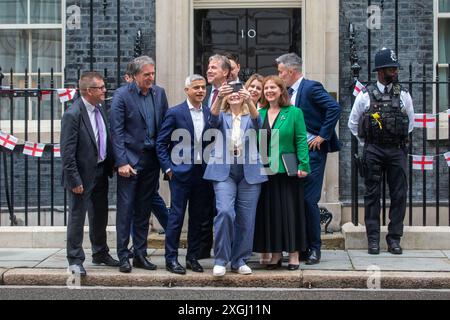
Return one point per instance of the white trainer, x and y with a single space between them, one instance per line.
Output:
245 269
219 271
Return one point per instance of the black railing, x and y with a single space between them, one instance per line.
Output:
30 186
427 92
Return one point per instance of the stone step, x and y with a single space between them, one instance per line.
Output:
334 241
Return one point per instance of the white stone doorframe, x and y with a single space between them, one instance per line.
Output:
320 34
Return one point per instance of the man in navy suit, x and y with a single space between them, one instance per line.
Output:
136 115
180 152
321 114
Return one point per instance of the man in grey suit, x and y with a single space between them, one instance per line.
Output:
86 165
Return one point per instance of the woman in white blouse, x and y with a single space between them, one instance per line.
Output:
236 172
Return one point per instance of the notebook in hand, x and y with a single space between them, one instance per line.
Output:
290 163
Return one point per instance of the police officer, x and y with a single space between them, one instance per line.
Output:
381 118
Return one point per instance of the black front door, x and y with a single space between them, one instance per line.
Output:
258 36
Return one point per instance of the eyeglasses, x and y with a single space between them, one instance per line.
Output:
101 88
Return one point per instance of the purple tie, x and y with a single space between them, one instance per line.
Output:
101 135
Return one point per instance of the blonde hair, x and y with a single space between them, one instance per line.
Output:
225 106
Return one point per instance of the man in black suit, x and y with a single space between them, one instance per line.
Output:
87 164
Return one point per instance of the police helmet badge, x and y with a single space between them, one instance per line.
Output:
393 56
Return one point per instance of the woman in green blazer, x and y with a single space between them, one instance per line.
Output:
280 218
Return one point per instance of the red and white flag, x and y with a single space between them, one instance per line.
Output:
422 162
66 94
448 112
8 141
424 120
447 158
57 150
33 149
45 93
358 88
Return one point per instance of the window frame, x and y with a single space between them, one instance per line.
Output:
19 125
443 125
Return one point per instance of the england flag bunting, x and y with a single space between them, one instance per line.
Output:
424 120
422 162
358 88
57 150
33 149
8 141
66 94
447 158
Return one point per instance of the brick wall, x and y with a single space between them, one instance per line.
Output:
416 48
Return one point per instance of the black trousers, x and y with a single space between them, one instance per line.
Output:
95 201
391 159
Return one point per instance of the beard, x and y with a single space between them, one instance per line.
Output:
390 78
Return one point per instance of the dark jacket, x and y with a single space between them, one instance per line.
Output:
79 151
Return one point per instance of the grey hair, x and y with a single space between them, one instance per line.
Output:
140 62
291 61
87 79
225 63
192 78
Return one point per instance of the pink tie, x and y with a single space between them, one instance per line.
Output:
215 93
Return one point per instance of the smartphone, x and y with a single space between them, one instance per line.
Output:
237 86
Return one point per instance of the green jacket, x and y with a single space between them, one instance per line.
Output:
288 136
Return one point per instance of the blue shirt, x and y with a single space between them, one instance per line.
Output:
148 106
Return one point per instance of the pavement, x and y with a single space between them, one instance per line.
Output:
353 269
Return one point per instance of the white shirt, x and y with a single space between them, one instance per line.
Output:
295 87
198 121
212 95
91 113
236 137
362 104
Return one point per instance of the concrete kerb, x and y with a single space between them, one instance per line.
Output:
142 278
321 279
2 271
414 238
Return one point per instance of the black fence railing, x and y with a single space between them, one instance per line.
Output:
424 193
30 186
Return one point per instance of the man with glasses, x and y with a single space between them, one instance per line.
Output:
86 166
136 114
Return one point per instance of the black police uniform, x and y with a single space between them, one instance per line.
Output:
385 130
384 127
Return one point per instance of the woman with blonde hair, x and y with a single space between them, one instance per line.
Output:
237 174
280 218
254 86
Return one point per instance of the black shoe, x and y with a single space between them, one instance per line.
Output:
394 247
175 267
77 269
142 263
373 247
105 259
194 265
125 266
314 257
273 266
293 267
303 255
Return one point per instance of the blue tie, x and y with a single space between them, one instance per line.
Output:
290 92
